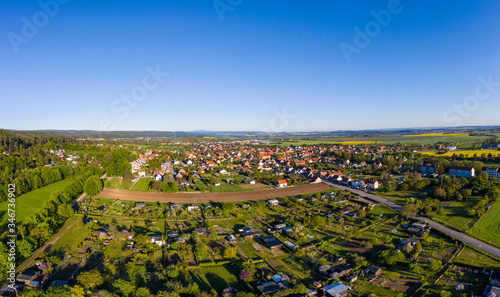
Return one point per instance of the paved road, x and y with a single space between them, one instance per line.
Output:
458 235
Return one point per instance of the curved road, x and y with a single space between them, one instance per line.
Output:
455 234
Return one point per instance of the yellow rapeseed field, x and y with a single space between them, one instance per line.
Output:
466 153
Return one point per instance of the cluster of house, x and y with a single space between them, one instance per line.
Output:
278 282
417 228
138 164
288 159
338 289
337 177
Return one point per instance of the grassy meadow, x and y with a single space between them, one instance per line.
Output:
30 202
487 227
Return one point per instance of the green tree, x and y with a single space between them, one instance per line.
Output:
173 272
142 292
77 291
418 247
201 250
318 221
175 245
124 287
227 207
229 252
90 279
409 210
435 265
93 186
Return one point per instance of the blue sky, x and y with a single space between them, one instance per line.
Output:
244 67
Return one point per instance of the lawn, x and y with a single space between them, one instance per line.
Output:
30 202
278 264
219 278
472 257
201 185
382 210
142 185
114 250
399 197
455 215
369 288
488 226
249 250
73 237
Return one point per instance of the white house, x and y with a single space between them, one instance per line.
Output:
282 183
193 207
372 184
274 202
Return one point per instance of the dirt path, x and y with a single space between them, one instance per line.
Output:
45 248
206 197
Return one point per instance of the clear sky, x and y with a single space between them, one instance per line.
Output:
248 64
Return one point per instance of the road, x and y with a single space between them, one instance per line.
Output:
453 233
80 198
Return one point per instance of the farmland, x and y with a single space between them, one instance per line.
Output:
465 153
434 134
30 202
215 197
415 139
488 227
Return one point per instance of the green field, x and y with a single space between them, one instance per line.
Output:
201 185
72 239
30 202
142 185
488 227
316 142
455 215
472 257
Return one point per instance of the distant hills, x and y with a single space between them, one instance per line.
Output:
92 134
